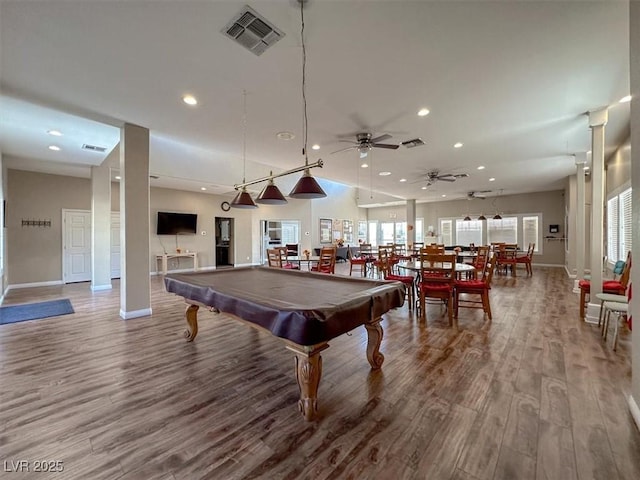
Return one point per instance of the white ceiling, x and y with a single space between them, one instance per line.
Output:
511 80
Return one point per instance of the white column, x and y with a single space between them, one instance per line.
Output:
101 222
581 161
411 221
597 121
634 50
135 288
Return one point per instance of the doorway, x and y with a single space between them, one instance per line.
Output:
224 241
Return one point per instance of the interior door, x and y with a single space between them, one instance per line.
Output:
76 245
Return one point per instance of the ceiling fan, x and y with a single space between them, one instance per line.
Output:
435 176
364 142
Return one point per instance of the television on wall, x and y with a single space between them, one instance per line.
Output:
177 223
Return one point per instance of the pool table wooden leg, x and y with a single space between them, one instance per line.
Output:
191 315
374 334
308 373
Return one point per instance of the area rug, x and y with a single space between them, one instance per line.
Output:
34 311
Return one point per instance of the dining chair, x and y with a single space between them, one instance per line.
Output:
526 259
507 258
292 249
273 258
482 254
376 263
437 277
386 268
284 262
620 310
479 286
327 261
356 260
617 287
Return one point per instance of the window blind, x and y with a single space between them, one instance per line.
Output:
625 221
612 229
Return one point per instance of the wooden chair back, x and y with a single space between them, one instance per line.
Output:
437 267
327 262
434 249
274 257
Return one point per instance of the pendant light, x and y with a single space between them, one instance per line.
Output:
271 195
243 198
497 216
482 217
307 187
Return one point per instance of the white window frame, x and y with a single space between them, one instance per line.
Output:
619 227
419 235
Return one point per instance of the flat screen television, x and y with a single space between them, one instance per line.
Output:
177 223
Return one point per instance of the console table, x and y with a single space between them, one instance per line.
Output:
165 257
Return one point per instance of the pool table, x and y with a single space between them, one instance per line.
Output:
305 309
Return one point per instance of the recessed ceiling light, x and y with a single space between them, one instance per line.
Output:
492 179
190 100
481 167
625 99
285 135
117 177
316 147
55 133
203 188
443 195
424 188
384 174
457 145
55 148
364 165
403 179
423 112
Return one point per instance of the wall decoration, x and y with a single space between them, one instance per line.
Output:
326 225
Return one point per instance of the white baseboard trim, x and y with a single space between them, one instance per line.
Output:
34 284
554 265
97 288
569 274
145 312
635 411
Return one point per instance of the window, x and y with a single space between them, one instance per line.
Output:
467 232
505 230
530 232
290 232
362 231
373 232
419 229
446 232
386 233
619 226
401 233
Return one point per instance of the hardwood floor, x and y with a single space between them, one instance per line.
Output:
533 394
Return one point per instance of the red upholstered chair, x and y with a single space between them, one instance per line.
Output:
437 277
284 263
479 287
507 258
526 259
481 258
356 260
327 262
617 287
386 269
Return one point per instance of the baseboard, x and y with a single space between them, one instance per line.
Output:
569 274
554 265
145 312
34 284
635 411
97 288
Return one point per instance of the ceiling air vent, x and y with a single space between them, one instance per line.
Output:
252 31
94 148
416 142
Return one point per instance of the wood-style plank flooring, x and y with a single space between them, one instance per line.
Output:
533 394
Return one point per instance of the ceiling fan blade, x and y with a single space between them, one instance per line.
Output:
385 145
344 149
446 178
380 138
